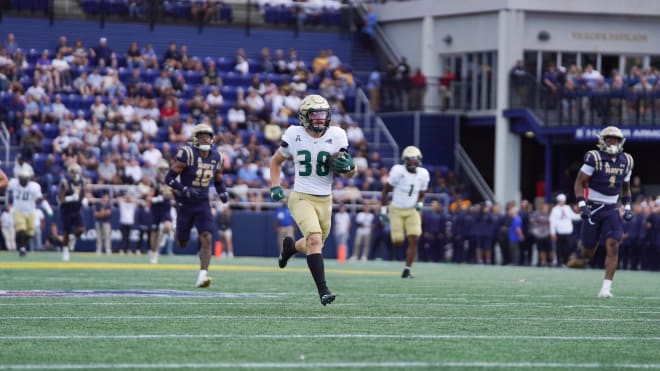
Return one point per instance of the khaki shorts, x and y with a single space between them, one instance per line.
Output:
24 222
404 222
312 214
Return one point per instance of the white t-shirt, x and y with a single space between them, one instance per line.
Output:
310 156
127 212
24 198
406 186
364 221
342 222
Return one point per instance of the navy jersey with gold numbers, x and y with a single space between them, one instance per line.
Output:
199 172
607 174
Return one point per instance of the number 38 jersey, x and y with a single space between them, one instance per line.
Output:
311 157
199 171
406 185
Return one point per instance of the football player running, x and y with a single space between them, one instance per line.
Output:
159 203
604 176
23 194
71 197
408 183
311 146
194 167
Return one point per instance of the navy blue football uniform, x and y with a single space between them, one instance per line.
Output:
607 175
71 211
197 175
160 205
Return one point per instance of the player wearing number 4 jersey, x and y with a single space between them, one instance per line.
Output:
408 183
196 166
311 147
604 176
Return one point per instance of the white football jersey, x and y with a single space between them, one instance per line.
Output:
24 198
406 186
310 155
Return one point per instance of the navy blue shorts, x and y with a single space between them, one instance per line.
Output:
160 214
605 222
71 220
189 214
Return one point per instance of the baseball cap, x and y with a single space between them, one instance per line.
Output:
561 197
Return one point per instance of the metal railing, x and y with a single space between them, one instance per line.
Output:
4 139
583 106
473 174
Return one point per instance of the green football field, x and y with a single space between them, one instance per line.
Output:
120 312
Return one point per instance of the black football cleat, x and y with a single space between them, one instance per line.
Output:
327 298
288 250
406 274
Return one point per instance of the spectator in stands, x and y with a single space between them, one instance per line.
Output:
63 47
104 55
265 62
35 91
551 82
355 135
11 45
149 56
81 85
518 76
368 30
280 62
137 9
134 170
169 111
163 83
242 65
107 171
417 90
31 110
61 73
237 115
80 54
211 75
134 57
214 101
203 10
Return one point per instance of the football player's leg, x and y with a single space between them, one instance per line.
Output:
203 221
413 226
396 227
184 223
590 235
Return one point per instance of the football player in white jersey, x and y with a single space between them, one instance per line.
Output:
311 147
408 183
24 194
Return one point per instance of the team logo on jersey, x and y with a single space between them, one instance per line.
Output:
298 138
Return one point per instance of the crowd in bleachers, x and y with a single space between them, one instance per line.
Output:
584 95
117 114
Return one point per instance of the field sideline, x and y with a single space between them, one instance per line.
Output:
119 312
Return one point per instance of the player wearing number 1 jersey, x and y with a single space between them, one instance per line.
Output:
196 166
408 183
311 147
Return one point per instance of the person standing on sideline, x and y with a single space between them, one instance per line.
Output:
365 225
159 198
283 223
127 206
342 227
603 179
311 146
408 183
102 215
190 176
561 229
224 229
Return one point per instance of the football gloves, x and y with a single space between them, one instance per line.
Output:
224 197
384 218
585 212
419 206
189 192
277 193
627 213
344 163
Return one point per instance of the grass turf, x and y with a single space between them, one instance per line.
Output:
121 313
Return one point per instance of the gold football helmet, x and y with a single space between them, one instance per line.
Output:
611 132
314 113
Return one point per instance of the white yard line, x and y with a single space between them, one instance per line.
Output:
314 318
327 365
328 336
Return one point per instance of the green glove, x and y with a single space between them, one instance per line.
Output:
344 164
384 218
419 206
277 193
